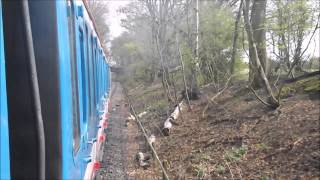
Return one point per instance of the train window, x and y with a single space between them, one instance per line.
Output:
88 72
83 73
74 78
93 55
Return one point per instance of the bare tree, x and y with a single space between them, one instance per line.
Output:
293 23
99 10
235 38
159 12
258 18
272 102
183 74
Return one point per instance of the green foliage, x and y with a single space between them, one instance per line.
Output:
201 79
203 156
309 85
286 91
200 171
240 65
263 177
215 31
188 59
220 169
312 87
131 47
161 104
290 16
132 57
241 70
216 43
262 147
291 23
235 154
136 50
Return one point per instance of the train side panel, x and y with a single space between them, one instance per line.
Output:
81 63
4 129
68 169
74 84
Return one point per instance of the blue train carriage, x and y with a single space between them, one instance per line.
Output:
4 129
74 84
91 76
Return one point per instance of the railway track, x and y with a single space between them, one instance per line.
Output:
114 165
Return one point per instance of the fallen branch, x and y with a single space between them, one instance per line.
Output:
232 176
211 100
307 75
171 120
146 137
132 90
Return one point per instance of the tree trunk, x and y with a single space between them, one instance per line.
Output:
258 18
192 78
194 85
235 38
255 56
183 74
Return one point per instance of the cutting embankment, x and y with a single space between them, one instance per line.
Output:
237 137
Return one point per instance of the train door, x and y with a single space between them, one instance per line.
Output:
70 125
24 133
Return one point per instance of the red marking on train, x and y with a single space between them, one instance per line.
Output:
96 166
101 138
105 124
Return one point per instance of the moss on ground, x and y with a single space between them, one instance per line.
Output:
307 85
312 85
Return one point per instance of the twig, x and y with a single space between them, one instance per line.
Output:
146 137
211 100
239 171
232 176
277 80
158 128
258 97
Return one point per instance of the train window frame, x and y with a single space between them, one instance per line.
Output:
74 78
87 41
83 73
93 70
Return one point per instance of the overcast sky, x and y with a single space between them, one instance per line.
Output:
114 17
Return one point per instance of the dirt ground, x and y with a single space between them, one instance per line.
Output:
236 138
243 139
